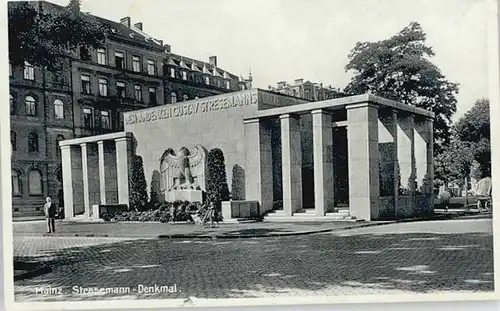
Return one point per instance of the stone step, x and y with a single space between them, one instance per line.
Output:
296 218
343 213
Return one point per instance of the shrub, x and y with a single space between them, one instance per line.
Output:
138 186
216 186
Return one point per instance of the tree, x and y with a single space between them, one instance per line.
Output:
474 127
40 33
399 68
459 162
217 188
138 185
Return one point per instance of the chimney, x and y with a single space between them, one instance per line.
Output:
125 21
138 25
166 47
213 60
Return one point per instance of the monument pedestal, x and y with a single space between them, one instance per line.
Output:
184 195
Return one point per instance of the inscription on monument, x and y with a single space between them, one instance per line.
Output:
193 108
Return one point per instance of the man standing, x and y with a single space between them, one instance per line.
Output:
50 214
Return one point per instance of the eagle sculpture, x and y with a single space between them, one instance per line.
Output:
183 169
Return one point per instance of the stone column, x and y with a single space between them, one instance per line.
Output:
258 163
123 158
405 205
69 211
424 160
406 150
362 141
292 163
85 172
102 171
323 162
387 138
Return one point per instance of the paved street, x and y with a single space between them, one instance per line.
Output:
419 257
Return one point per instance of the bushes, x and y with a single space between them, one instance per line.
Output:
138 186
217 189
164 212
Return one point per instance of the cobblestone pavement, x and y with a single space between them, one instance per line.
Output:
392 259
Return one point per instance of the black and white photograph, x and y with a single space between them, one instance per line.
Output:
239 153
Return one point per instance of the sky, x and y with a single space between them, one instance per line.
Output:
283 40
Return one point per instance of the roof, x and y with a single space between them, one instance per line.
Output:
117 29
188 63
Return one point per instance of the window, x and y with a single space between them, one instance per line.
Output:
13 140
119 60
103 87
152 95
101 56
207 80
105 122
30 106
136 64
85 54
59 138
87 118
29 71
173 97
35 182
33 142
172 72
120 89
12 105
228 85
184 75
59 109
16 182
138 93
151 67
85 84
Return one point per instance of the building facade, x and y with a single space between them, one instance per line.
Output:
89 95
307 90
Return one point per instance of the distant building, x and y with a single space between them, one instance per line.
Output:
131 71
307 90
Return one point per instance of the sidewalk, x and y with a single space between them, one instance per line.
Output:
224 231
182 230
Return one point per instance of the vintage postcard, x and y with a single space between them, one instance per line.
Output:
239 153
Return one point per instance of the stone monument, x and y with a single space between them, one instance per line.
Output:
183 174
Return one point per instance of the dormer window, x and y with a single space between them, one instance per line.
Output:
172 72
207 80
184 75
228 85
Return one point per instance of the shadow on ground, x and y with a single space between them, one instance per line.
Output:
305 265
